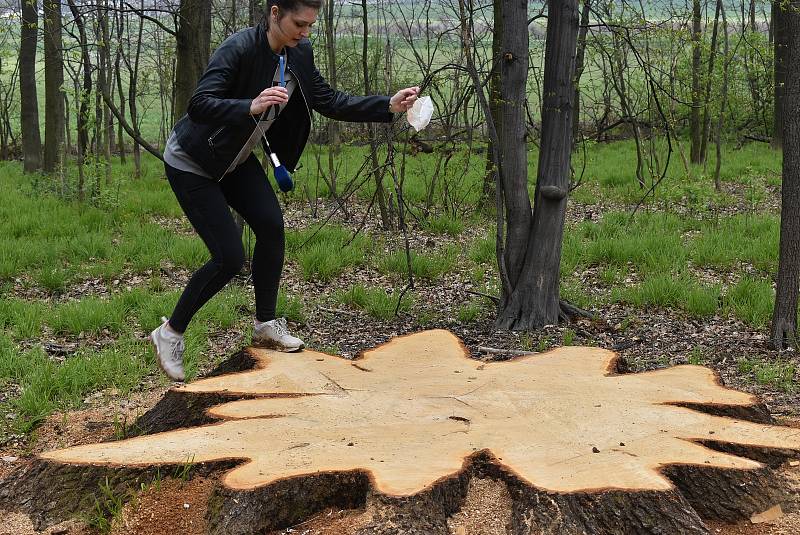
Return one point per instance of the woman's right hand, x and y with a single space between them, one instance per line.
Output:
269 97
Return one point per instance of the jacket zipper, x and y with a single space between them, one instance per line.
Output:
215 134
310 118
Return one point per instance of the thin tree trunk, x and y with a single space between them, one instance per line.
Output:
54 123
695 125
709 79
253 13
85 95
724 100
118 75
373 134
333 126
784 319
105 74
29 103
781 36
579 68
132 85
534 301
494 99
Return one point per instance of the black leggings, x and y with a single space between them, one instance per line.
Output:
205 202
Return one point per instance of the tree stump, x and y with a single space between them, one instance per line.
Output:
405 427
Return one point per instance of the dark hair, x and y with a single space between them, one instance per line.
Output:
291 5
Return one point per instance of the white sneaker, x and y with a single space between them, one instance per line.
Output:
169 350
275 335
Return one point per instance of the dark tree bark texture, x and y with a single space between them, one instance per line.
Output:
192 52
29 119
782 35
534 244
513 150
784 320
695 126
55 119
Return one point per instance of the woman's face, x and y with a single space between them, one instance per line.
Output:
290 27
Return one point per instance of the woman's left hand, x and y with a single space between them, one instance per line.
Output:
403 99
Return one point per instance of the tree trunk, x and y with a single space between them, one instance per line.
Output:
29 103
513 150
253 12
533 299
118 76
54 122
707 94
105 75
579 67
695 125
192 51
784 319
781 43
494 99
605 453
85 94
330 57
724 97
373 132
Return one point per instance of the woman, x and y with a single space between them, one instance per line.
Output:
260 83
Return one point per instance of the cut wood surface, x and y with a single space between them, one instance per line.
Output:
412 410
406 427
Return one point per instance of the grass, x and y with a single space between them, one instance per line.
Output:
325 252
50 244
774 373
376 302
423 266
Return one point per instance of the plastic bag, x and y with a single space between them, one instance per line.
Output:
419 115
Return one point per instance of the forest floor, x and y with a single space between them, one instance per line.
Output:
645 337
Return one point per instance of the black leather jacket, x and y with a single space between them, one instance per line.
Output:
218 122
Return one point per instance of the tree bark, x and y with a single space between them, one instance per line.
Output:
695 126
724 97
784 319
494 99
29 118
53 81
329 7
513 150
707 94
386 220
579 67
51 491
781 44
85 94
533 299
192 51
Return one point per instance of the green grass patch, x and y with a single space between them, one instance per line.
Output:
444 225
752 301
376 302
423 266
780 374
668 291
323 253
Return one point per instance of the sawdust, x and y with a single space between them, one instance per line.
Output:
173 506
486 510
20 524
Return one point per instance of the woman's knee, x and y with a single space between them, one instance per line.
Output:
230 261
268 227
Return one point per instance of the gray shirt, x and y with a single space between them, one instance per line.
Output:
176 157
